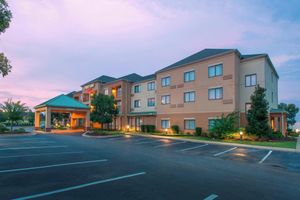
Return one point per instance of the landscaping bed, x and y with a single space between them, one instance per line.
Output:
100 132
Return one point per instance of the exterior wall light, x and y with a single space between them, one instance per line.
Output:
166 131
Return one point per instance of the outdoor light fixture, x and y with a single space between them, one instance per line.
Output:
166 130
241 135
127 128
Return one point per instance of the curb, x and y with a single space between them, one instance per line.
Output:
16 135
220 143
92 136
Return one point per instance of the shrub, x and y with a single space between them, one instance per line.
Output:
20 130
276 135
3 128
143 128
150 128
224 125
175 129
198 131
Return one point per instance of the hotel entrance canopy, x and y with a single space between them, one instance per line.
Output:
79 113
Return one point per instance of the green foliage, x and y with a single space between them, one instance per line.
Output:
13 111
20 130
258 116
291 112
198 131
5 16
5 66
3 128
224 125
175 129
2 117
104 109
148 128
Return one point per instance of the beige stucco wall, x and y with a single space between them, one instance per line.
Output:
247 67
201 85
271 84
143 96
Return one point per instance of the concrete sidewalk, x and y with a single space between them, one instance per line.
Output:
223 143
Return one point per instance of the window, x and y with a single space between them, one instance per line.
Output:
250 80
247 107
137 88
106 91
119 92
137 103
165 123
151 102
166 81
165 99
151 86
211 123
215 70
189 76
86 97
189 124
215 93
119 106
189 97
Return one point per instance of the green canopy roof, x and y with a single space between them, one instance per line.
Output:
63 101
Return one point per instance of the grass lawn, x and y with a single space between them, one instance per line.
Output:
281 144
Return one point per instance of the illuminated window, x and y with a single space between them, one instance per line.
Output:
165 99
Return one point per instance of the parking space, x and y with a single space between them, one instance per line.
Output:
134 167
240 154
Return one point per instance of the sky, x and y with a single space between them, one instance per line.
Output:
55 46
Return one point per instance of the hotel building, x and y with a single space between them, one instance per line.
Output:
192 92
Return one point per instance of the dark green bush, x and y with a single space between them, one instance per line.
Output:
20 130
150 128
276 135
175 129
143 128
3 128
198 131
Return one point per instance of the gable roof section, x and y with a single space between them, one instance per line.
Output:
102 79
201 55
131 77
63 101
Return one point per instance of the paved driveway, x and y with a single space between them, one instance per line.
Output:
134 167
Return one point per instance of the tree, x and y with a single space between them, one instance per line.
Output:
2 117
104 109
291 112
258 116
224 125
14 111
5 18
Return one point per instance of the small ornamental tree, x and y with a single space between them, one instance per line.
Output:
291 112
225 124
258 116
104 109
13 111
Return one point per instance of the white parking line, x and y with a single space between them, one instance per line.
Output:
192 148
266 156
218 154
211 197
37 147
80 186
148 142
41 154
50 166
169 144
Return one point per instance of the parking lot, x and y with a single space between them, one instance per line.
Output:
134 167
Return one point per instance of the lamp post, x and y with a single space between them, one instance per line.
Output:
127 128
241 135
297 130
